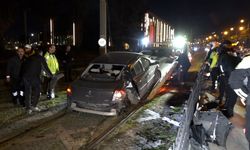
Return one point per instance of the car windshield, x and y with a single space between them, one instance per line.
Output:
103 72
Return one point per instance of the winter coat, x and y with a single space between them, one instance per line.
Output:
227 63
33 66
237 77
14 67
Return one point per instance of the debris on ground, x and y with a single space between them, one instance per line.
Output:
153 127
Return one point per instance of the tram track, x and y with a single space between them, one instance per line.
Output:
97 128
122 119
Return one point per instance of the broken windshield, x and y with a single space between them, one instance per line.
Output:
103 72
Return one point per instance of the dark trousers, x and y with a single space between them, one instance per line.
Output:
31 92
67 72
214 76
231 98
222 84
182 74
17 92
185 74
53 81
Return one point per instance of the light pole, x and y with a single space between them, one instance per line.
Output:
103 27
74 34
51 29
25 26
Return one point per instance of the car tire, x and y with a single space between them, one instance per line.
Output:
132 96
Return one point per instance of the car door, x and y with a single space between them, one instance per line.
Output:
139 77
149 71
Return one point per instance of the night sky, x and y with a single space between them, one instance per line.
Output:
195 17
201 16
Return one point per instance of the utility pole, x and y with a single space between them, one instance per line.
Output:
74 34
25 25
51 30
103 27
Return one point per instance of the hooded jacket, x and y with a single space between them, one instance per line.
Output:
239 75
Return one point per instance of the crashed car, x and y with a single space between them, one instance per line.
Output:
112 82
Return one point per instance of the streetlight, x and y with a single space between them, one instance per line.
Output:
231 29
179 42
225 33
242 21
241 28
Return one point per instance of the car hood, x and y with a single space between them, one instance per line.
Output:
96 92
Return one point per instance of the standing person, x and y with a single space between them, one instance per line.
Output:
208 59
242 89
67 60
227 63
13 76
53 65
30 73
214 70
183 65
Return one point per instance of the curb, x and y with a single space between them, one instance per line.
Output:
21 126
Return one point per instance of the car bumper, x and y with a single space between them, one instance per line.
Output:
112 112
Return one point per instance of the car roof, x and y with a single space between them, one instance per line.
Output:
124 58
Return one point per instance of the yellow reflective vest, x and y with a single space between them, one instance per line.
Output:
214 57
52 62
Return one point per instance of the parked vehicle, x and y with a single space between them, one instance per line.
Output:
112 82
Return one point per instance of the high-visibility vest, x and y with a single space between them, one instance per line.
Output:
52 62
214 57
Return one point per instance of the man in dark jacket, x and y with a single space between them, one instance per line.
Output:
227 63
183 66
237 82
30 72
13 76
67 60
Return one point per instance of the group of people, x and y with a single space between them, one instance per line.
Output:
26 69
230 69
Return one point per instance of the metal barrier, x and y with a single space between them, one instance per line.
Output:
182 139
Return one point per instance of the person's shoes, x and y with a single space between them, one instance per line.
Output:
29 111
49 97
52 96
36 109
